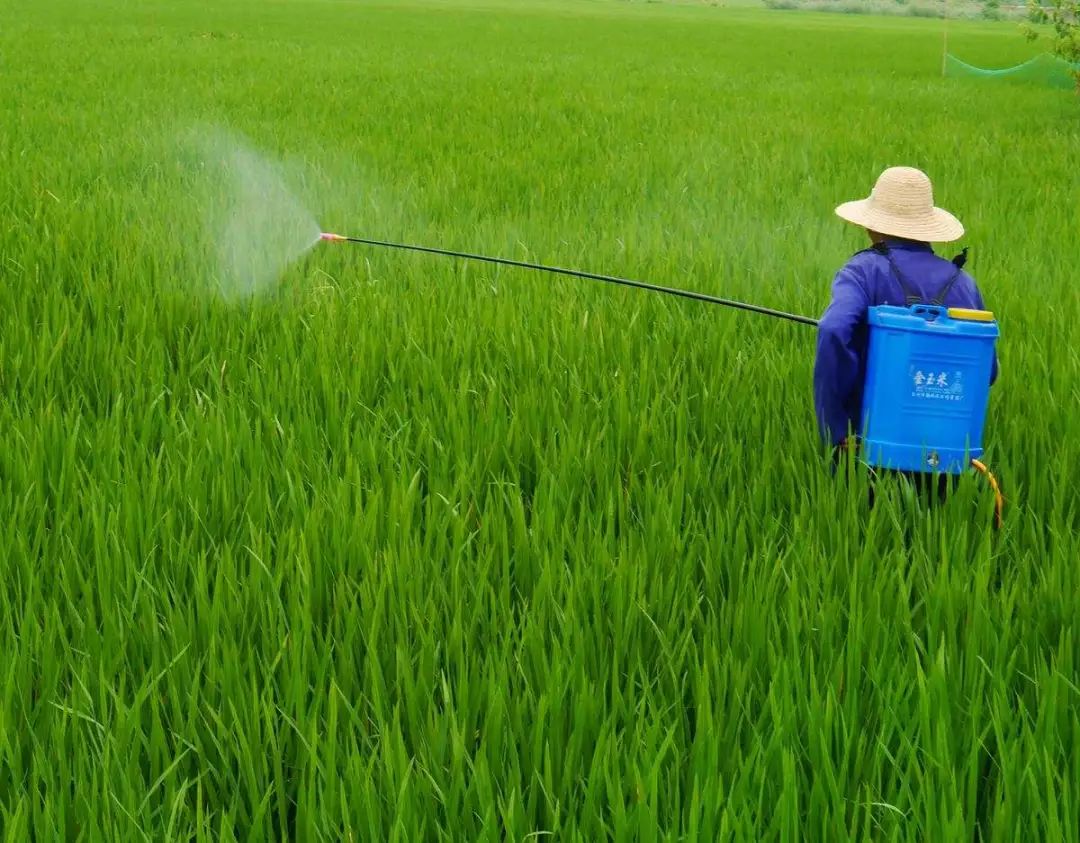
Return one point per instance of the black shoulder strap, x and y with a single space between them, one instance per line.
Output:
909 293
958 262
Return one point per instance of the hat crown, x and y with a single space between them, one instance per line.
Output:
903 191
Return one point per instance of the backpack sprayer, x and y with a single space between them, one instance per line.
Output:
927 374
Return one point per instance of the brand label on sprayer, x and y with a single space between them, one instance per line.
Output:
937 385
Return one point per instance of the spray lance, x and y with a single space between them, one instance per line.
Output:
574 273
936 426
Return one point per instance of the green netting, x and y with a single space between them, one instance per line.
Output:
1045 69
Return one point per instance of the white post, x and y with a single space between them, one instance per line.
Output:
944 36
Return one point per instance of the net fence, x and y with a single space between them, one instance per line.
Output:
1045 69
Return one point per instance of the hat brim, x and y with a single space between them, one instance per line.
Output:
938 226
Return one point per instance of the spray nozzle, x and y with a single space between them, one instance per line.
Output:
333 237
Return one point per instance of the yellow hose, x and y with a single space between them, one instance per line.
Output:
999 500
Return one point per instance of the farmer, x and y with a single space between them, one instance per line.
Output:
899 268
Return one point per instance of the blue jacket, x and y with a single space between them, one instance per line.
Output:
865 281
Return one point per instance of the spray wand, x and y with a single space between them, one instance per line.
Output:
574 273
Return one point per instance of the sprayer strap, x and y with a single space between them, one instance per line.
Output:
958 262
910 294
939 299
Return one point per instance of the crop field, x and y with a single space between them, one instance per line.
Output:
310 541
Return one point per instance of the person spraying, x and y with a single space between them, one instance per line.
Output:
899 284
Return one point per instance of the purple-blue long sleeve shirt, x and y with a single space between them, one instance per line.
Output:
867 280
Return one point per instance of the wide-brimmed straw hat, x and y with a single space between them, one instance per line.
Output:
902 205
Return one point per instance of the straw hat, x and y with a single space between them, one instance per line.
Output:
902 205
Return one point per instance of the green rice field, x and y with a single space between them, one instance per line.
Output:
323 542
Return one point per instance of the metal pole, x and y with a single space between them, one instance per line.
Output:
574 273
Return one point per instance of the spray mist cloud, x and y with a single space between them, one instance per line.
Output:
256 226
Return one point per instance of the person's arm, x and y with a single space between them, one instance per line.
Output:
837 365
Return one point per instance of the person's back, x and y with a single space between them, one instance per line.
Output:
900 268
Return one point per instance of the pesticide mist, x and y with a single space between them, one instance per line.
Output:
255 226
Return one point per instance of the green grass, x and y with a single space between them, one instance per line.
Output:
402 549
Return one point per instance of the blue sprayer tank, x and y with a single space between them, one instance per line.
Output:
927 387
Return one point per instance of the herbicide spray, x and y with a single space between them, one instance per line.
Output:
928 368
